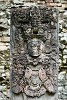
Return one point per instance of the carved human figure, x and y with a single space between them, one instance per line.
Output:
36 75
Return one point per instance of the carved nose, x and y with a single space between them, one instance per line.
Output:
35 30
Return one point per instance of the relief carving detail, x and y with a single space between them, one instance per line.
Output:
34 50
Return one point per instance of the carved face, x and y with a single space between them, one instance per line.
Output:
35 47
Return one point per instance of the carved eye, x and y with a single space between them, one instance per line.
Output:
28 30
27 69
40 31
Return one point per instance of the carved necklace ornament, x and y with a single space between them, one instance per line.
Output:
34 50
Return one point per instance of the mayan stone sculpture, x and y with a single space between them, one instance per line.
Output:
34 53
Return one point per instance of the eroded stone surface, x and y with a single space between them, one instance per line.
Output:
4 46
34 50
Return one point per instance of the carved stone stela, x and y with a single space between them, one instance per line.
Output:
34 52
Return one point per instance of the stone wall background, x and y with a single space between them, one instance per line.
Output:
5 6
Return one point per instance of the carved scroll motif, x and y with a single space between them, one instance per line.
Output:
34 50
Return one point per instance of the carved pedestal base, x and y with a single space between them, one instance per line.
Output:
44 97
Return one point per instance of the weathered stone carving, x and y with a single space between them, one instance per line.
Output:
34 49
